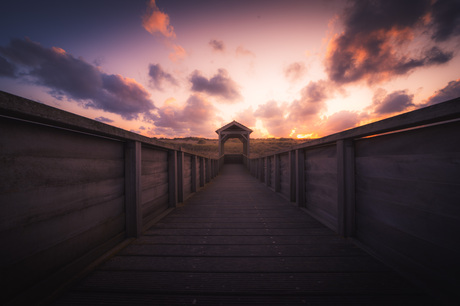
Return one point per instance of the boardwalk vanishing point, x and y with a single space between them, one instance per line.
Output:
236 242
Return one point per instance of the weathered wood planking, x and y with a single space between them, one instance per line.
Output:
187 172
154 182
272 171
321 184
62 194
407 208
284 174
240 243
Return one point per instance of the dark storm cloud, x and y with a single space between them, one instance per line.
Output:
397 101
451 91
375 34
6 68
295 71
159 76
219 85
217 45
446 19
193 118
74 78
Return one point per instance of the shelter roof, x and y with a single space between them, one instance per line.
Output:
234 126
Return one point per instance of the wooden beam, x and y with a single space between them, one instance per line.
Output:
346 187
172 173
300 177
133 188
180 176
292 176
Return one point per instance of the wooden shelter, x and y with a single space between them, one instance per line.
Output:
234 130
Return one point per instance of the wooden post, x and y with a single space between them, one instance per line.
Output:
180 176
346 188
202 175
193 173
277 182
133 188
172 173
292 176
267 171
300 178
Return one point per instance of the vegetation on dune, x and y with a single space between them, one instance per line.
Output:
210 147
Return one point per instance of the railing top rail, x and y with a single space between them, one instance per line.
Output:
21 108
445 111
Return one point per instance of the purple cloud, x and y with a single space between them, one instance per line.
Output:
395 102
217 45
220 85
375 32
295 71
450 91
159 76
74 78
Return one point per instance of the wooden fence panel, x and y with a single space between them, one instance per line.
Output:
407 209
61 195
154 183
321 184
187 172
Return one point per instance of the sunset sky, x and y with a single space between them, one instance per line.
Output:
177 68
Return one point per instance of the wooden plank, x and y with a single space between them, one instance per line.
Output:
133 192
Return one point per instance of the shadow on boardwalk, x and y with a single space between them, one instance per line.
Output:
237 242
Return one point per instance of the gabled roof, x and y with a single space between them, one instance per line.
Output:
234 126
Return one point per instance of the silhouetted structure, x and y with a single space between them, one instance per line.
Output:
234 130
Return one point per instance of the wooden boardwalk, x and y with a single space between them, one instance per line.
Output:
234 243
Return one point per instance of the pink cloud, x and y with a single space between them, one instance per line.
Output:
155 21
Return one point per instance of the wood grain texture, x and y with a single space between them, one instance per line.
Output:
321 184
250 245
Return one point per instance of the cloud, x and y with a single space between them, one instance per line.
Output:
178 54
246 117
273 118
155 21
217 45
339 121
242 51
394 102
295 71
445 17
159 76
220 85
193 118
375 45
450 91
311 102
6 68
103 119
74 78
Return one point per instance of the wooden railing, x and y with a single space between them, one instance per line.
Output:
72 189
392 186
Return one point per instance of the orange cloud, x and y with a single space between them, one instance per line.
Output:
155 21
178 54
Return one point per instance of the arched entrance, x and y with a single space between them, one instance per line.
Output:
234 130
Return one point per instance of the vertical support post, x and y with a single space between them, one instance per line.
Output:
172 173
180 176
202 175
267 171
292 176
193 173
208 171
277 165
261 169
133 188
300 177
346 187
